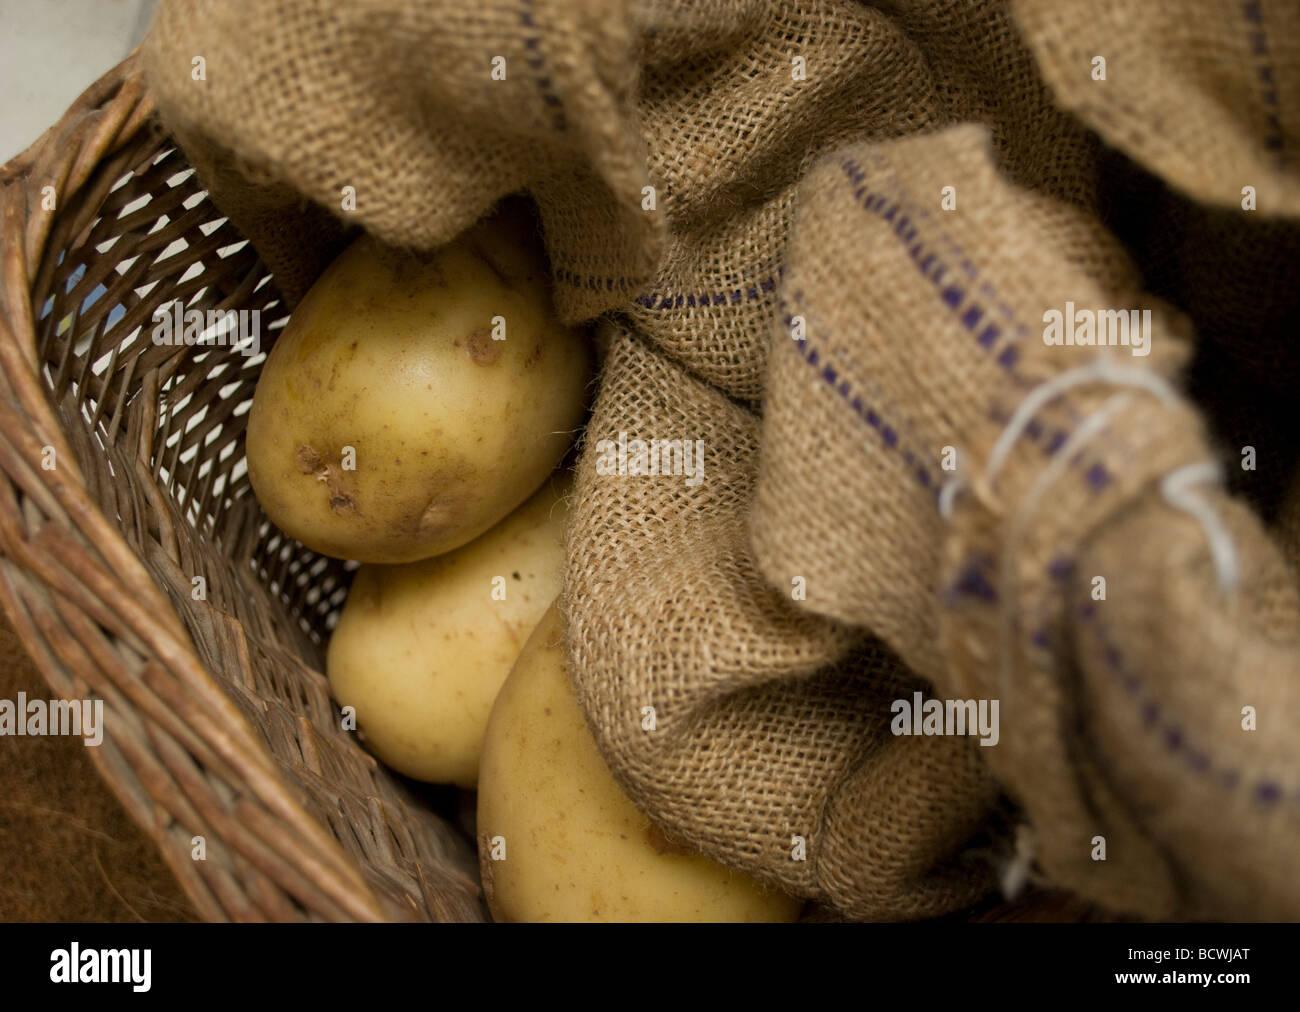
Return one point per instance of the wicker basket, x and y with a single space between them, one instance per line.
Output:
123 481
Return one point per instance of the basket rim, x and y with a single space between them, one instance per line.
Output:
33 567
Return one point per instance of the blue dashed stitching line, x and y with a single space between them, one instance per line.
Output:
1275 141
973 581
734 296
888 434
534 59
1265 792
953 291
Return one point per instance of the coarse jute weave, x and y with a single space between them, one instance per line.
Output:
755 196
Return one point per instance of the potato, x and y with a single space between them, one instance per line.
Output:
575 847
421 649
389 424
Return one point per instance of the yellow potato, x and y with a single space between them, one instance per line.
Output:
421 649
575 847
389 423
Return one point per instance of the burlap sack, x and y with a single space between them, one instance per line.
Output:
1121 718
1204 96
1202 92
767 721
705 174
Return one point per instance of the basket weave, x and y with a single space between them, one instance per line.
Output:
218 718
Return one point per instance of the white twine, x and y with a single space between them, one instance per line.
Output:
1175 486
1017 870
1083 432
1177 493
948 493
1102 369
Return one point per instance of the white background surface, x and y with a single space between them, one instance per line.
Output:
51 51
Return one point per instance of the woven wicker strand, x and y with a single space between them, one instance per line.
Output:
218 721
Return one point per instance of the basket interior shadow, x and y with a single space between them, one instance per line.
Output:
137 566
